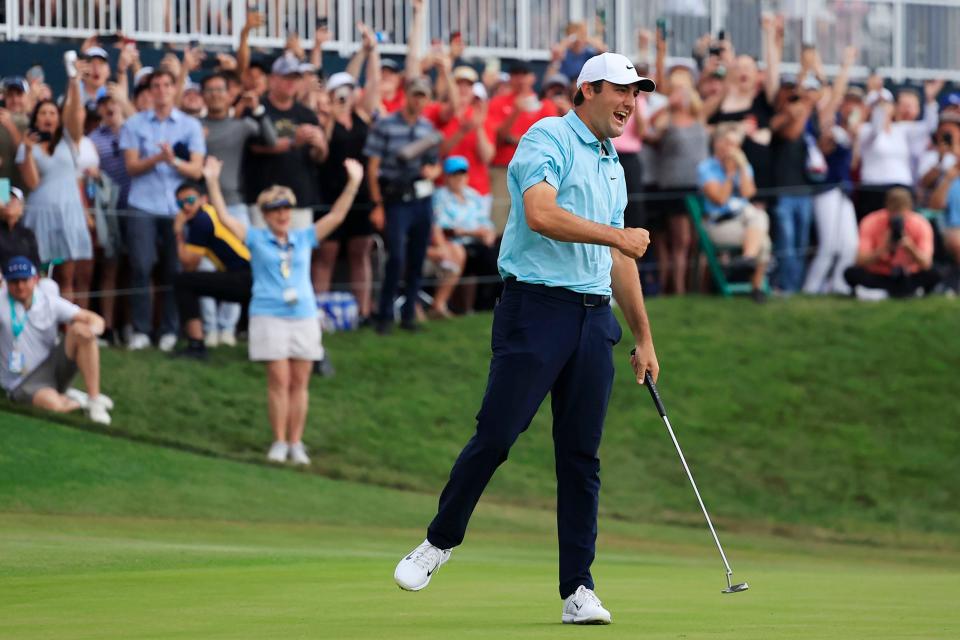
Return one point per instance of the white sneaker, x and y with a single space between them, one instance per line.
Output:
583 607
278 452
298 454
97 410
138 342
870 295
413 573
167 342
81 398
228 338
212 340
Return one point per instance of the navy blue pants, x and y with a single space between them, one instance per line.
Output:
541 345
150 239
407 235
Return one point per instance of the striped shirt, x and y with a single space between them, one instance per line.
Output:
391 134
208 236
111 160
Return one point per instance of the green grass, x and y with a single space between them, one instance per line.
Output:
106 538
823 417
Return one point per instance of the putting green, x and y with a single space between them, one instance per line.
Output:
156 543
76 578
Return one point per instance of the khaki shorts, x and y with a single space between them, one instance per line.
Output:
56 372
500 207
273 338
730 233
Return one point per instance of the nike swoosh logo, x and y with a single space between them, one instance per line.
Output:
629 67
430 573
577 606
613 177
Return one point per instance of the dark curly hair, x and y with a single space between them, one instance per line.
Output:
58 133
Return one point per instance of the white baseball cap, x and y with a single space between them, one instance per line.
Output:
614 68
340 79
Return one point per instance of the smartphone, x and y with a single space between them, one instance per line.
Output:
662 27
108 39
4 190
35 73
722 35
382 36
322 22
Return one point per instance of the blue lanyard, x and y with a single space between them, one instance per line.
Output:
16 324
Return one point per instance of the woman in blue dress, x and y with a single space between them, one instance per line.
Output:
47 158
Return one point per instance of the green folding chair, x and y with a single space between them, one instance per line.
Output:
712 251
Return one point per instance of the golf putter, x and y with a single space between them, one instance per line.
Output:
655 394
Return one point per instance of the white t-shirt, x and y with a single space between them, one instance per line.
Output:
40 330
87 156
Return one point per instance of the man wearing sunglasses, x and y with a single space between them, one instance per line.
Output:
201 234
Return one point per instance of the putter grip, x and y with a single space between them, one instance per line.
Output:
654 392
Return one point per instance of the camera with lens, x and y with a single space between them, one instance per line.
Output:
896 230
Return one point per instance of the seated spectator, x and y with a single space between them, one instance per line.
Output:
460 212
896 250
726 181
947 197
34 368
448 259
284 328
201 234
16 239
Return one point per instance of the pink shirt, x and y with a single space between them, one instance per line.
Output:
630 142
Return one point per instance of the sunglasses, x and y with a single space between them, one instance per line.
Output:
276 205
182 202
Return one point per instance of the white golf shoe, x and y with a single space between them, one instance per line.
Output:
278 452
414 572
583 607
298 454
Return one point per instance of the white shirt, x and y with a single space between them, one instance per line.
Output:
887 157
40 331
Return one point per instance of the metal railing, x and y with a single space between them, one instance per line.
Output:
904 39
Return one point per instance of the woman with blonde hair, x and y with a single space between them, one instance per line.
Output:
284 327
680 136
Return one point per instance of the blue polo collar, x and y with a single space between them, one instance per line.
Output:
586 136
173 117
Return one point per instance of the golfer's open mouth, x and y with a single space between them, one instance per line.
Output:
621 116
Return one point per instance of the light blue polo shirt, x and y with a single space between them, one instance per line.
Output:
589 184
266 257
711 170
155 190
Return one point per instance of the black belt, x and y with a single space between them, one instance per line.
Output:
583 299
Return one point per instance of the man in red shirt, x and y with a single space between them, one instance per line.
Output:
896 249
460 118
509 117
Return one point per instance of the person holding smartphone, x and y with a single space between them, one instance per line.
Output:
16 239
47 159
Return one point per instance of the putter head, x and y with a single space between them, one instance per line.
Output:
736 588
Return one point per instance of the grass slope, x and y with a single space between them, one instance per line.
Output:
157 543
810 413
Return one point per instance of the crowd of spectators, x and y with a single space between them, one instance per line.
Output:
176 185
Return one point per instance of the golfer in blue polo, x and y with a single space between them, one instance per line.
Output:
564 253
